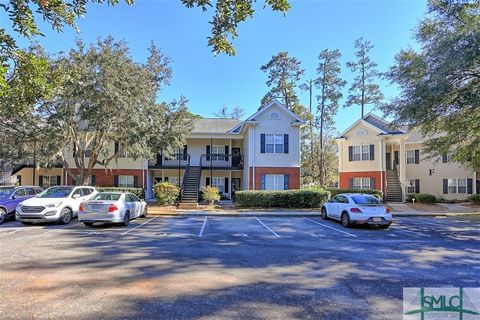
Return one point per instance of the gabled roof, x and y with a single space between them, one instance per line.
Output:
209 125
271 104
382 126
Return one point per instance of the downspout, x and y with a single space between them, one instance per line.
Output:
253 158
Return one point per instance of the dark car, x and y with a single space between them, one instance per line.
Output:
11 196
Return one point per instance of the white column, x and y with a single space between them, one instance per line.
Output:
230 152
402 166
230 185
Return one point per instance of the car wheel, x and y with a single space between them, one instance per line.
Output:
88 224
126 219
384 226
144 214
345 220
3 214
66 216
324 213
26 223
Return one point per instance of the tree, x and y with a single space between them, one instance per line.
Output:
284 73
363 90
330 84
224 113
440 83
100 96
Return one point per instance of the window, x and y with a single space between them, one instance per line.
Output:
361 183
219 182
454 186
86 191
48 181
274 143
125 181
216 150
413 156
274 182
31 192
361 153
174 180
411 186
19 193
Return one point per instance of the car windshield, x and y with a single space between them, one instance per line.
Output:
56 192
107 196
5 192
365 200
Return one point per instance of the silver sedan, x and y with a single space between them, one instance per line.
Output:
112 207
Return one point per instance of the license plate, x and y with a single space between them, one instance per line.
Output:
377 219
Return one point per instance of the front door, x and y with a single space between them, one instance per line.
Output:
236 157
396 156
388 158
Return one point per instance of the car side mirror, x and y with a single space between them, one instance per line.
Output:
75 196
13 197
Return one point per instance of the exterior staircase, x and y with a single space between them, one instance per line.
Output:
190 185
394 188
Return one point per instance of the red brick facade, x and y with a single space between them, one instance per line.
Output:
105 178
377 175
293 173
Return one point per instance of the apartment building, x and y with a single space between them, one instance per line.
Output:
373 155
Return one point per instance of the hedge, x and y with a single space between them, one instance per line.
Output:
423 197
167 193
136 191
335 191
282 199
474 198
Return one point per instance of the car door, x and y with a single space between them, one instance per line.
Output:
341 205
331 207
130 205
18 196
76 199
138 205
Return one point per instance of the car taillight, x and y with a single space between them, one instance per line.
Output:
112 208
355 210
82 207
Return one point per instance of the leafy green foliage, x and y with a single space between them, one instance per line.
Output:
282 199
335 191
167 193
474 198
363 90
136 191
423 197
440 83
211 194
284 73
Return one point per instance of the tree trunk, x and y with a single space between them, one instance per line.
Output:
322 116
363 89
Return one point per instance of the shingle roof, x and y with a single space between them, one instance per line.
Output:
206 125
381 124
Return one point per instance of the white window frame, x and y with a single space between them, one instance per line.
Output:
276 143
361 152
126 181
49 179
457 186
361 183
175 180
274 182
410 156
219 183
411 186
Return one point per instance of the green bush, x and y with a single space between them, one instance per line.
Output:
136 191
282 199
211 194
474 198
167 193
375 193
423 197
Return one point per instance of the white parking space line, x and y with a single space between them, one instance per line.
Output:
137 226
324 225
263 224
200 234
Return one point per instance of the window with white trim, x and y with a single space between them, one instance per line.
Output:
410 156
274 182
49 181
126 181
457 186
219 183
411 186
361 153
217 150
274 143
174 180
361 183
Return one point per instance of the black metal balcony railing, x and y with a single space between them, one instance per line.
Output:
221 161
174 161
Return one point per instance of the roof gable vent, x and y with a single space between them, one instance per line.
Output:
361 132
275 116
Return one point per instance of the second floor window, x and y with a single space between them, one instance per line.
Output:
274 143
413 156
361 153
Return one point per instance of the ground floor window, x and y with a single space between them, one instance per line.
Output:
174 180
48 181
126 181
411 186
361 183
457 186
274 182
219 182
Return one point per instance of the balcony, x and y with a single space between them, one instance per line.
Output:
175 161
221 161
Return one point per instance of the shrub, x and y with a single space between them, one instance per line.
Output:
167 193
282 199
211 194
474 198
136 191
375 193
423 197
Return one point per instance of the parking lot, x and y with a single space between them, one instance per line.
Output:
206 267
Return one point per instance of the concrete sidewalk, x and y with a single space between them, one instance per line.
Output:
451 209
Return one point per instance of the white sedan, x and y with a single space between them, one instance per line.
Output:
357 209
112 207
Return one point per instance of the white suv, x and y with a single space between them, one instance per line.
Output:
56 204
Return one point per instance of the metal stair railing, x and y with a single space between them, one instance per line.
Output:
185 176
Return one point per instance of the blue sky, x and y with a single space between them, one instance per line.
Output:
210 82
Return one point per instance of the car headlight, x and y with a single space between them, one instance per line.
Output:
53 205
